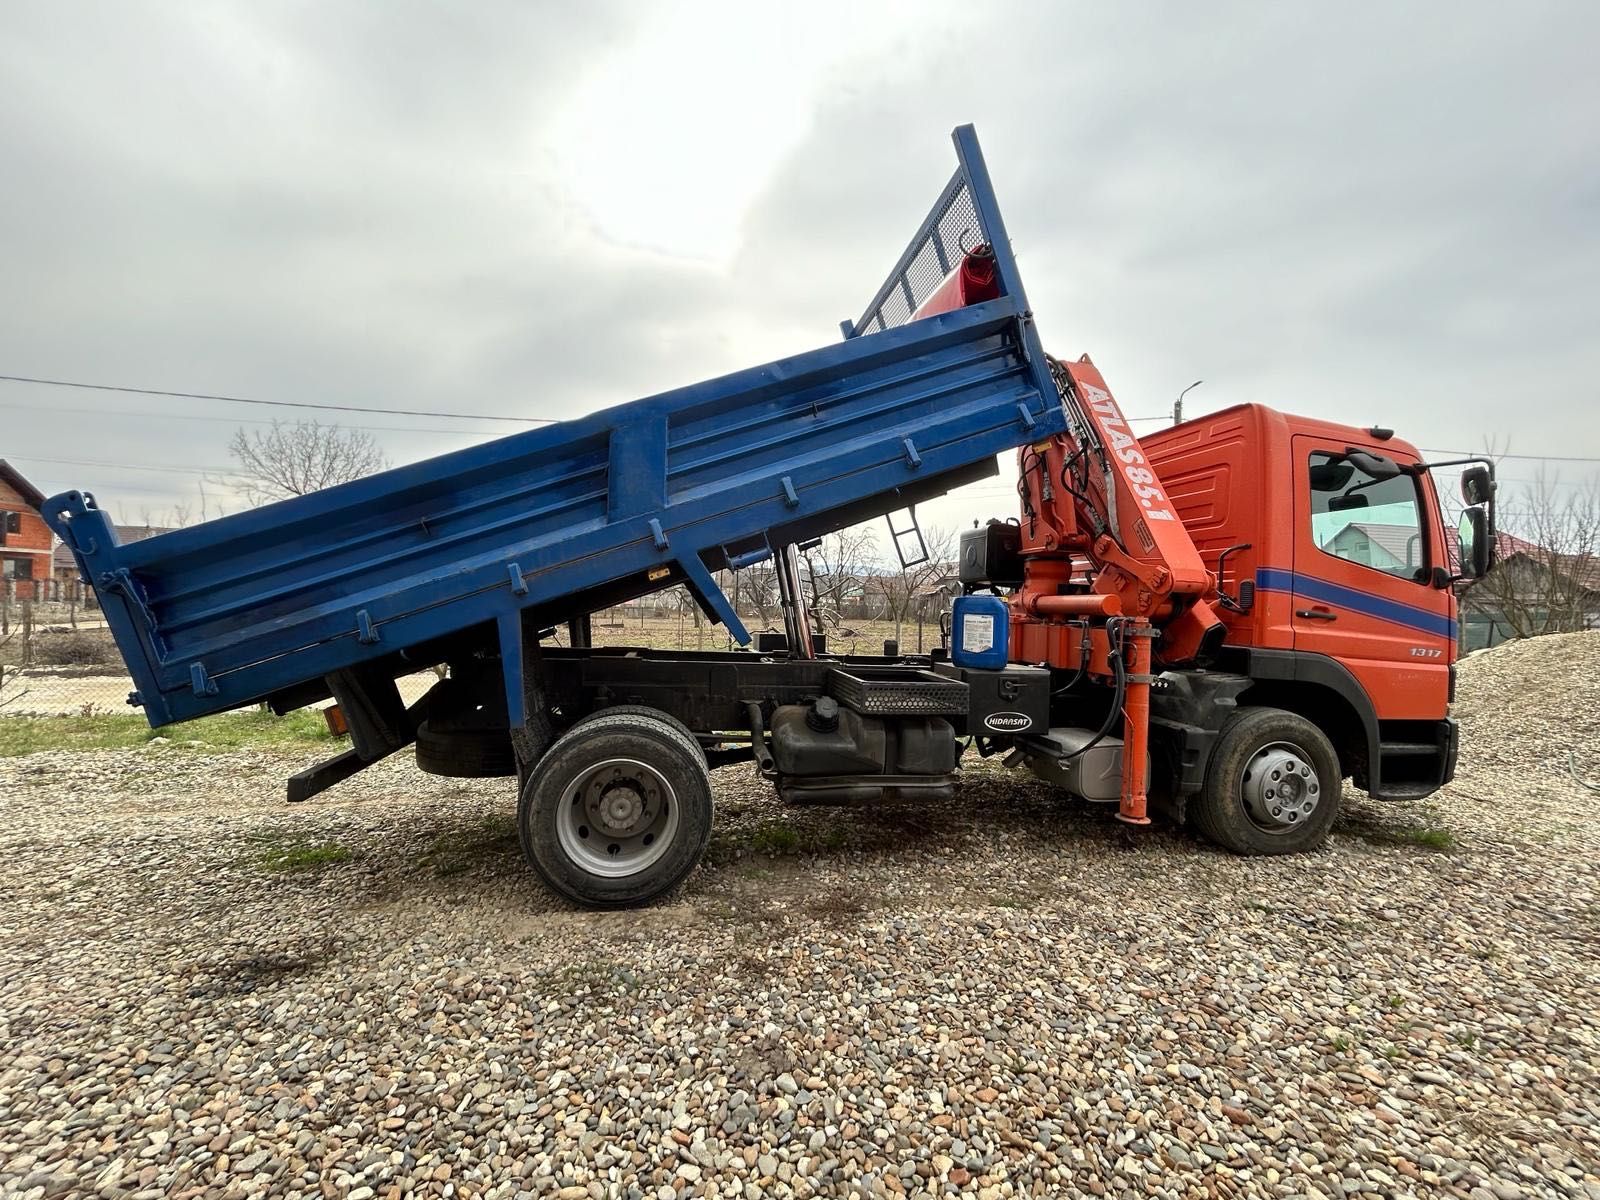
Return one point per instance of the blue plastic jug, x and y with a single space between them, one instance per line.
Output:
979 629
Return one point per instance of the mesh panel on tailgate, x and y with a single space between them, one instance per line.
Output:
952 232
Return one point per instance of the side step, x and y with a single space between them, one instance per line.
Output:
1399 765
1406 749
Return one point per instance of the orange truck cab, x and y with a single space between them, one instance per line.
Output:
1335 577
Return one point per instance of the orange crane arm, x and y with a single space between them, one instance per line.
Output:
1096 518
1107 565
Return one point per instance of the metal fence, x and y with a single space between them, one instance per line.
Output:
56 654
58 659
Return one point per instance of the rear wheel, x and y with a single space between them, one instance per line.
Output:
655 714
618 811
1273 785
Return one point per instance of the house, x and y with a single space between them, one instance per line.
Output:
1530 591
1390 548
25 539
69 584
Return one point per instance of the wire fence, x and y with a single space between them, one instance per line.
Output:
58 659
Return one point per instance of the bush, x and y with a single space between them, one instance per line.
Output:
93 648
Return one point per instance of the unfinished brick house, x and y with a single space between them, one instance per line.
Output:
25 539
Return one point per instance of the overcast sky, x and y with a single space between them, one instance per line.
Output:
1369 213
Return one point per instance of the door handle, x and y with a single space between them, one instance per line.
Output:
1316 614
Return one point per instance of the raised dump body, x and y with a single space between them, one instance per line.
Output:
555 523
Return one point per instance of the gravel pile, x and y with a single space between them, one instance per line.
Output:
204 992
1532 704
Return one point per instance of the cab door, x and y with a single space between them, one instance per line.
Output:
1362 586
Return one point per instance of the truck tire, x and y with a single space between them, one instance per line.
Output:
618 811
1272 787
465 753
644 710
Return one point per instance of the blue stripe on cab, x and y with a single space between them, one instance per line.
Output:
1272 579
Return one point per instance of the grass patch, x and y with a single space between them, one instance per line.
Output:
834 837
291 853
1432 837
1426 837
778 838
457 852
229 731
775 839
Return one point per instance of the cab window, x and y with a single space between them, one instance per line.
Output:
1374 522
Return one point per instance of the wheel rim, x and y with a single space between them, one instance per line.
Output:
617 818
1280 788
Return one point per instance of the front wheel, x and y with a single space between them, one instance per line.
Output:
618 811
1273 785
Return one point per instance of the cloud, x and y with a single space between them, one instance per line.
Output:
1372 215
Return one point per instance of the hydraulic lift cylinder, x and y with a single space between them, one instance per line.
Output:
1136 726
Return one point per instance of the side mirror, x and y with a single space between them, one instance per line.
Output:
1476 485
1473 538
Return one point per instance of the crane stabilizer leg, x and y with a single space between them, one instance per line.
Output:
1136 725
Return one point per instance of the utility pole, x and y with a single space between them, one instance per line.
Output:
1177 405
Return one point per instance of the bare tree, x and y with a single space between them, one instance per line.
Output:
206 512
180 515
1547 577
900 589
836 569
757 588
292 460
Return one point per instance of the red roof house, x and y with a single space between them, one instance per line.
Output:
24 537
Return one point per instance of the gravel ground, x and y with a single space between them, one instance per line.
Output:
206 992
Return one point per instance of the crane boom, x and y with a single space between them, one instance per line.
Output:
1096 521
1108 568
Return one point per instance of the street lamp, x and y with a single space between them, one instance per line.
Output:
1177 405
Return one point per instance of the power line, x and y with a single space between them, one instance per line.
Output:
1528 457
126 489
449 416
95 412
393 412
85 462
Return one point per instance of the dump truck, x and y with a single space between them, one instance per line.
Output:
1224 620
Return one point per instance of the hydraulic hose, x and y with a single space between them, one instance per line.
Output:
1083 660
1119 671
